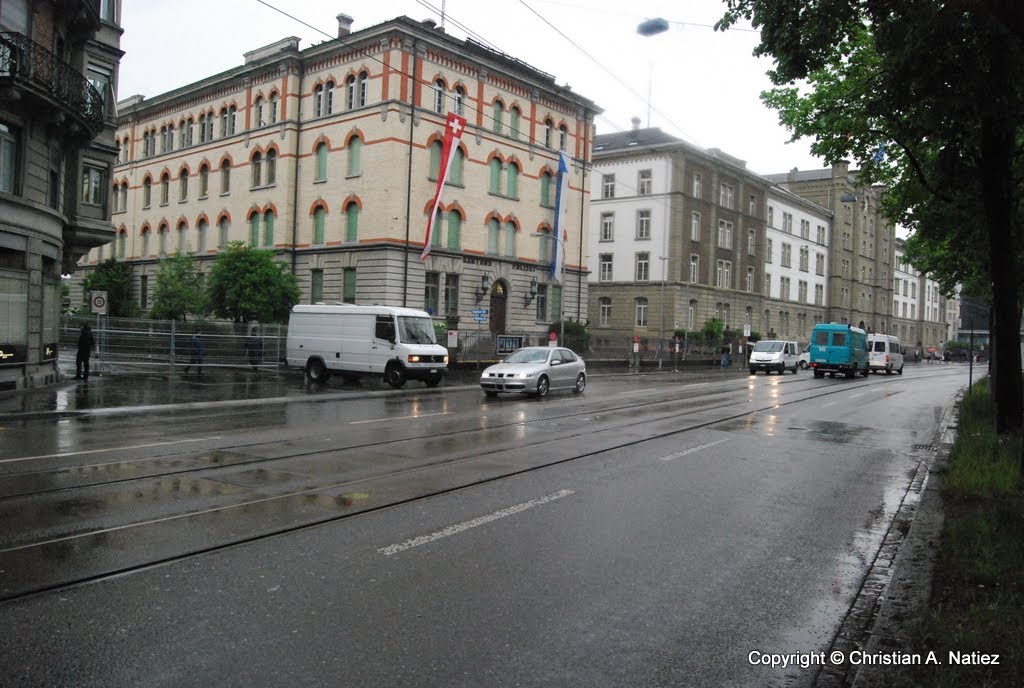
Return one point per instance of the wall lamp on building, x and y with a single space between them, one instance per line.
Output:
533 291
485 286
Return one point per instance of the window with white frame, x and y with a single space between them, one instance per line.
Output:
805 259
820 234
727 195
801 290
608 186
805 229
784 288
771 216
694 226
439 96
605 268
787 255
819 263
94 185
694 268
751 242
607 226
819 295
787 223
749 286
724 234
460 100
768 284
643 224
698 186
643 267
752 207
723 274
605 313
641 312
644 183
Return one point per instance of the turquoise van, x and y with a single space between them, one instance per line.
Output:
837 348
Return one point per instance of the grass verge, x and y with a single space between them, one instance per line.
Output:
978 595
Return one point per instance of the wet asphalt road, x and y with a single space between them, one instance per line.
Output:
645 533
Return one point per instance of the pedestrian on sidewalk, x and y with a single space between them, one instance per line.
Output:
254 348
196 351
86 343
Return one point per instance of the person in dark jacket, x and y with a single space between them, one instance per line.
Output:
86 343
196 351
254 348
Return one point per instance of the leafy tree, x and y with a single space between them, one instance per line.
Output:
115 278
248 284
179 289
714 330
927 97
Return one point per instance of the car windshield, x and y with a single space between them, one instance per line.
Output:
768 346
416 330
528 356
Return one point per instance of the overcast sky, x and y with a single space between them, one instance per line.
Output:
704 85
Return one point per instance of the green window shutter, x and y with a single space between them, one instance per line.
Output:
454 230
318 225
492 236
510 239
435 237
321 162
352 222
513 181
316 286
435 160
348 294
355 154
268 229
495 167
545 189
254 230
556 303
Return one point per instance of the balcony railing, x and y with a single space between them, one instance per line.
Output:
28 65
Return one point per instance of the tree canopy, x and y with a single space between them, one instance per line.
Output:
248 284
927 98
179 289
115 278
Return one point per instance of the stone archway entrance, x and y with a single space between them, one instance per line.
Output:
498 304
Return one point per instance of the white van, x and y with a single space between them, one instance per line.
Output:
773 354
354 341
885 353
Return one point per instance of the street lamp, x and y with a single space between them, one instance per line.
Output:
561 281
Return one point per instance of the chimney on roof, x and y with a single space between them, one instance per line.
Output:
792 175
344 25
636 123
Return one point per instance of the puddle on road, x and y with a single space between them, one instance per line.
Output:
820 430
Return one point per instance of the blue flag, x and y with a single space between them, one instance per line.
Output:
561 209
879 155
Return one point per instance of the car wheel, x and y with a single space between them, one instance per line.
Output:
866 371
803 364
490 392
394 376
581 383
432 380
900 371
317 371
543 385
888 370
796 369
819 374
753 371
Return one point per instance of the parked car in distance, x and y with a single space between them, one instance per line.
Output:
536 370
773 354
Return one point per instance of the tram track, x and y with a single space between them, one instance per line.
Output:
672 409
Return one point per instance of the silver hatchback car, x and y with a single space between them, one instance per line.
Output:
536 370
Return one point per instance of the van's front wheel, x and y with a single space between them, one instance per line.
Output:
432 380
394 375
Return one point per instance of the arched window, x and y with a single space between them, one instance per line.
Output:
223 122
165 188
352 222
321 163
513 122
363 83
454 230
495 168
189 129
202 128
209 126
435 237
170 136
183 185
435 160
182 238
497 115
355 154
268 228
458 162
122 238
271 167
510 239
204 180
163 139
318 100
350 92
162 239
493 231
257 169
563 137
319 218
257 119
254 229
272 105
223 232
145 241
460 100
544 247
513 180
439 96
225 177
548 126
545 188
232 110
181 134
201 228
329 97
147 192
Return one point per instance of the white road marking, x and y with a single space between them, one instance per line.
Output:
418 415
466 525
858 394
691 450
107 449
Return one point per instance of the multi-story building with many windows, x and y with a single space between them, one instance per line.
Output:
861 248
330 156
919 311
58 72
677 238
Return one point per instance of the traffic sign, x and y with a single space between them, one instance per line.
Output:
99 302
479 319
479 311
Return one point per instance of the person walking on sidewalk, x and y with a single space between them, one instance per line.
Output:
86 343
196 351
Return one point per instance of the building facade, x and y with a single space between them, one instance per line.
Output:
677 237
330 156
58 76
920 312
861 246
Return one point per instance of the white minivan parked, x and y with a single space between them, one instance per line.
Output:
885 353
771 354
354 341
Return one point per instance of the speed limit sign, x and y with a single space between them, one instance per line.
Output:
99 302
